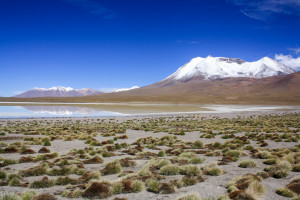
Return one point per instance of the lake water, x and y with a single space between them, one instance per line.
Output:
29 110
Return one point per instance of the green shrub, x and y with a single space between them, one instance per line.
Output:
281 174
161 154
270 161
7 162
189 196
190 170
233 153
170 170
137 186
47 143
2 174
152 185
213 170
117 188
189 180
10 197
247 164
14 182
44 183
28 195
162 162
198 144
285 192
65 181
296 168
196 160
112 168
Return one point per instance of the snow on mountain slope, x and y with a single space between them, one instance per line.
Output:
126 89
58 92
221 67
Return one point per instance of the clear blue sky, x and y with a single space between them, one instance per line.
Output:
120 43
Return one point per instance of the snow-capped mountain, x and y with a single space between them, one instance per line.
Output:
126 89
58 92
221 67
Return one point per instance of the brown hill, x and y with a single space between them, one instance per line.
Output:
280 90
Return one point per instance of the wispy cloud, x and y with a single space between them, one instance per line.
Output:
288 60
93 7
188 42
295 50
266 9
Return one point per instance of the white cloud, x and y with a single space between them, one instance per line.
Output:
288 60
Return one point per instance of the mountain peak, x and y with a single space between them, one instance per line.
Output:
222 67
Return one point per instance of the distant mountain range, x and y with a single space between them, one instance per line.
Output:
215 80
65 92
58 92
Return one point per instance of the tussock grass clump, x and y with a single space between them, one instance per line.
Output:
198 144
170 170
10 197
189 196
285 192
60 171
294 185
94 160
270 161
296 168
7 162
14 180
196 160
43 183
127 162
161 154
188 154
256 190
190 170
112 168
235 154
65 181
247 164
89 176
3 174
163 162
35 171
280 170
28 195
152 185
189 180
264 155
117 188
213 170
138 186
47 156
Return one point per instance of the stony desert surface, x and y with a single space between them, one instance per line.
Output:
248 155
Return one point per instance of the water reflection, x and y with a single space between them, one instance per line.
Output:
21 110
62 110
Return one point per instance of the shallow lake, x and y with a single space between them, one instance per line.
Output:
34 109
